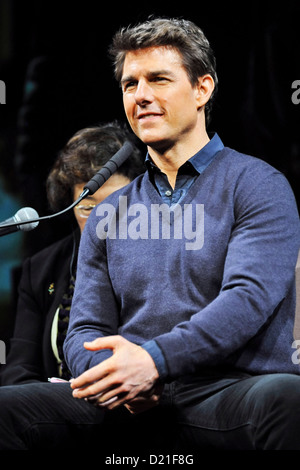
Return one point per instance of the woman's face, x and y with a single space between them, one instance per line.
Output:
84 208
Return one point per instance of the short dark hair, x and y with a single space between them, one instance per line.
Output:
197 55
84 154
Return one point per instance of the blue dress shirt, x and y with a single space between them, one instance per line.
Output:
187 173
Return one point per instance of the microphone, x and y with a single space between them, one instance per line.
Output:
21 217
109 168
16 223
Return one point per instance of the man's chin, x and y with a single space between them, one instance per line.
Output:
159 144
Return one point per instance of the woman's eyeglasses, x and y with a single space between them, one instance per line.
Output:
84 211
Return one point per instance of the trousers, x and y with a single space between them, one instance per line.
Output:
234 411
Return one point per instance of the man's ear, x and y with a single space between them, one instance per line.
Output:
204 89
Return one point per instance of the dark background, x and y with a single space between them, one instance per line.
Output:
53 59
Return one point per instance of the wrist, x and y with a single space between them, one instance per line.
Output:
157 356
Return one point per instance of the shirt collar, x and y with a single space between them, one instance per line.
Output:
201 159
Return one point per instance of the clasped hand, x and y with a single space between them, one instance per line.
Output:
129 377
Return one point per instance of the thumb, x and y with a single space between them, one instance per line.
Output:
106 342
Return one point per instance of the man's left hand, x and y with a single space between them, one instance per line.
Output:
129 373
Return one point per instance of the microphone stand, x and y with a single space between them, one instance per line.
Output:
84 194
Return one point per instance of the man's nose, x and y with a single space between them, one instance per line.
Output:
143 93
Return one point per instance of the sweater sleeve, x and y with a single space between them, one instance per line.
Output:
258 275
93 294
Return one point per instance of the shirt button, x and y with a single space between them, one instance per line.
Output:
168 193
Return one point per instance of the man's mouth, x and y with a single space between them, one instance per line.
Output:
145 116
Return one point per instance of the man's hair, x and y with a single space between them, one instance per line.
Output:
197 55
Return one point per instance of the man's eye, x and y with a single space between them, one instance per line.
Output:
129 86
161 79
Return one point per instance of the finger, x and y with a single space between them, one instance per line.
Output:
95 400
90 376
111 394
108 402
133 402
106 342
124 397
95 388
112 404
110 399
105 404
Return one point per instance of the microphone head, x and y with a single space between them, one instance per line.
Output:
24 214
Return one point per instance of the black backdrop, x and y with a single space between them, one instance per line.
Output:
59 79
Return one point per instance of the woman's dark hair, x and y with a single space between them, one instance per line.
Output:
197 55
83 155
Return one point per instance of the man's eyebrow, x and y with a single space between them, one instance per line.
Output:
151 74
155 73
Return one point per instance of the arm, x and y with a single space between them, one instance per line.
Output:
108 364
93 293
240 324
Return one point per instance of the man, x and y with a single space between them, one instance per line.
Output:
211 320
184 300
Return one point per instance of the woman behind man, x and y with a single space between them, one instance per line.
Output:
47 281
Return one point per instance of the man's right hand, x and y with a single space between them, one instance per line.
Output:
146 400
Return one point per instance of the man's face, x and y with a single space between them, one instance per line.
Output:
160 103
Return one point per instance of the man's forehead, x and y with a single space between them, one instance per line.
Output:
156 57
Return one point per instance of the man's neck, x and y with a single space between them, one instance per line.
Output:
173 158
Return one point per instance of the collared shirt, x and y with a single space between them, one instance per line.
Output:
187 173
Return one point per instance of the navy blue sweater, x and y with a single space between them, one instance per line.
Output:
211 281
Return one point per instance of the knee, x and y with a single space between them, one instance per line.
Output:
280 390
277 412
6 397
276 392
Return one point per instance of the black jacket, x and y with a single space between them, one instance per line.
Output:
45 279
